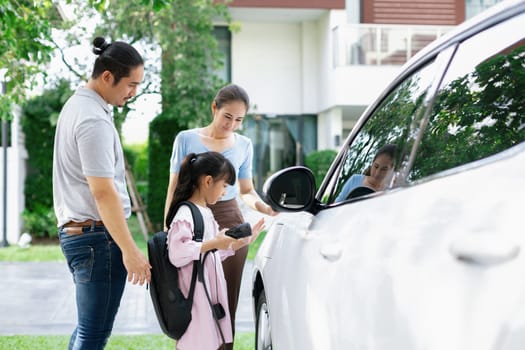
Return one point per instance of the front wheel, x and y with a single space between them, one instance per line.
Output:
263 334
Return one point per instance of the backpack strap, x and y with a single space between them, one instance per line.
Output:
198 222
198 233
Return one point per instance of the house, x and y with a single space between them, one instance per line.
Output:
311 67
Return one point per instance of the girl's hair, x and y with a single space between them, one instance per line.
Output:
389 150
231 93
117 57
192 169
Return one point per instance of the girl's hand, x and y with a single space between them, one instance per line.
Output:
232 243
223 242
256 230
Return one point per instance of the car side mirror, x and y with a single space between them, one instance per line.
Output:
291 189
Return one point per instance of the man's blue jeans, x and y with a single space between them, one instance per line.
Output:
95 262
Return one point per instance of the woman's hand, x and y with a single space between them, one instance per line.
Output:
265 209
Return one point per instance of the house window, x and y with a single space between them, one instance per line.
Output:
279 141
473 7
6 132
224 38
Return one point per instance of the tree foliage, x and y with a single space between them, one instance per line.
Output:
25 32
183 30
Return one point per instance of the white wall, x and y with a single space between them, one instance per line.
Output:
327 87
16 157
332 126
309 74
279 64
288 68
360 85
266 61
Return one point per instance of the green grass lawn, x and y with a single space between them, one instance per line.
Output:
243 341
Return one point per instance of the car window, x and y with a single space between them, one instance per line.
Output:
479 109
395 121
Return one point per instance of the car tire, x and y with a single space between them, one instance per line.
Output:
263 334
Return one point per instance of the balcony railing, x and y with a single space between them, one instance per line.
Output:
379 44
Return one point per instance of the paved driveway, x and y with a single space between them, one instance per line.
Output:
38 298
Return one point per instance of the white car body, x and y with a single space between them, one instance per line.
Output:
375 280
435 265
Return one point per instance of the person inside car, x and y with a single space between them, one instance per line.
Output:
374 178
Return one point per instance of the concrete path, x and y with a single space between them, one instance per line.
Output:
37 298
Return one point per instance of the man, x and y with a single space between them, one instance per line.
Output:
90 197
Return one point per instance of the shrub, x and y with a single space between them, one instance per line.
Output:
319 162
137 157
162 131
40 221
39 116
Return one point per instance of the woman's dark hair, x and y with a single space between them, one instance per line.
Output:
192 169
389 149
230 93
117 57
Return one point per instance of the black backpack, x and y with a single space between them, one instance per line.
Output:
172 308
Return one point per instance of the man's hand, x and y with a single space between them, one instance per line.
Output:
138 267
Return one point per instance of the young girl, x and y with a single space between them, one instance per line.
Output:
203 179
228 110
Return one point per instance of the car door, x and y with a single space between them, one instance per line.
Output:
318 265
353 239
466 186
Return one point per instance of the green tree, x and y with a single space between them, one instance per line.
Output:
25 32
190 56
183 30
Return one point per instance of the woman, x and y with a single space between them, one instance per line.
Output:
375 176
228 110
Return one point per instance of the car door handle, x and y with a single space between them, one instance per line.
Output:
484 250
331 251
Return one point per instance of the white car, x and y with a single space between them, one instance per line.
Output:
435 260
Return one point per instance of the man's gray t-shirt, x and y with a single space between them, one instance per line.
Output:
86 144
